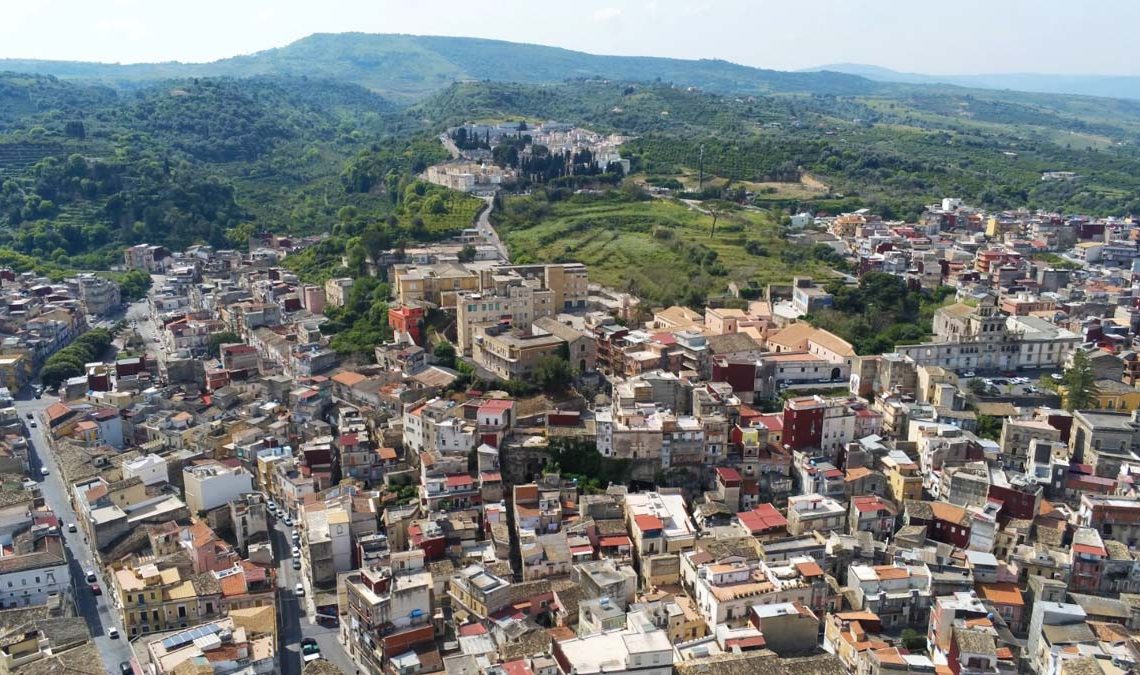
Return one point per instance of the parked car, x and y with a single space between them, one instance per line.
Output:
29 415
71 527
288 520
91 578
113 633
310 650
32 425
125 668
1056 377
299 589
95 590
968 373
296 563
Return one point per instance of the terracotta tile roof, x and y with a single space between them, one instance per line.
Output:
648 523
233 584
809 569
762 518
348 378
1001 594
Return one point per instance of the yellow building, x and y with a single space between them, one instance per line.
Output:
903 479
1113 395
14 371
152 600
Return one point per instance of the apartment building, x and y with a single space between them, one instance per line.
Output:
511 354
208 486
640 650
660 527
151 599
33 568
898 594
812 513
381 598
327 543
517 306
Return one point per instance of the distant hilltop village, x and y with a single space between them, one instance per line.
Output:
487 156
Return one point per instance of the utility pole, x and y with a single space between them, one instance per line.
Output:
701 170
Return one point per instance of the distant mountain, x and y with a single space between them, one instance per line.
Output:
1110 86
410 67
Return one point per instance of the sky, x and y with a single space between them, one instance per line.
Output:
961 37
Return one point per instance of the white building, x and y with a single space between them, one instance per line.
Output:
616 651
32 568
151 469
212 485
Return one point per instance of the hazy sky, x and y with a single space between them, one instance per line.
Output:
965 36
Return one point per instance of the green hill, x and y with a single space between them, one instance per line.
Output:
409 67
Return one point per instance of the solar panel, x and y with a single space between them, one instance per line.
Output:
188 636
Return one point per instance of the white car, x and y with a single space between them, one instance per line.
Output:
968 373
44 471
299 589
296 551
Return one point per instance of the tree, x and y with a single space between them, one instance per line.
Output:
976 386
444 354
467 253
134 284
1079 382
53 374
435 205
552 372
214 345
989 427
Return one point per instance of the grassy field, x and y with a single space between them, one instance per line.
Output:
664 250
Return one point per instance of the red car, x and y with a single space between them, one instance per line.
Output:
95 590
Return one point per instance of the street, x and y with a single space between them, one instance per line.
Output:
97 611
483 224
297 614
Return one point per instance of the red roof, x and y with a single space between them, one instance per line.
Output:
728 475
648 523
472 629
579 550
809 569
1090 550
763 518
750 642
773 421
615 540
497 404
868 503
460 480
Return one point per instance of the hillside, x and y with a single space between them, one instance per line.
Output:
85 169
892 153
1108 86
409 67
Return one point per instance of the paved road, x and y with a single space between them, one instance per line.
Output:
297 614
449 145
99 612
139 314
483 224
